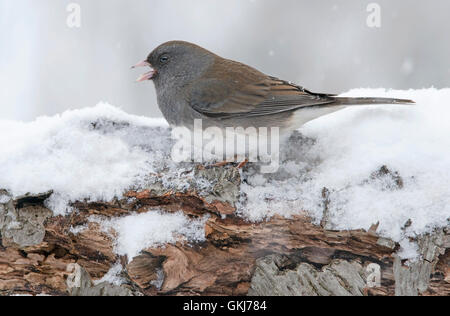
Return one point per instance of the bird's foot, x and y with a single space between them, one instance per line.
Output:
225 163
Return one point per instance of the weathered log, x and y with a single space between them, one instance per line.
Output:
44 254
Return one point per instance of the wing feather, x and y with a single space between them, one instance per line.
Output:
250 96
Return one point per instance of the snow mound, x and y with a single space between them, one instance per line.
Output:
94 154
351 169
363 165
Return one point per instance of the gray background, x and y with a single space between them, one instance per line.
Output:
326 46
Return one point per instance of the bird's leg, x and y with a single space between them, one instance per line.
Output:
225 162
242 164
221 164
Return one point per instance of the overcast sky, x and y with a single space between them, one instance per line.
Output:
47 67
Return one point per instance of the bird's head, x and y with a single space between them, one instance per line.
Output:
176 62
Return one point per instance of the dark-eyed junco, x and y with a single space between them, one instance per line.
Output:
193 83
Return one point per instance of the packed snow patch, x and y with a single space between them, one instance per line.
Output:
152 229
113 276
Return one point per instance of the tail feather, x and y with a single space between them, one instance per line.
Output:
366 101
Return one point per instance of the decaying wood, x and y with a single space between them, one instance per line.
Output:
41 254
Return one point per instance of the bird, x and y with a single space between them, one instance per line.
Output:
193 83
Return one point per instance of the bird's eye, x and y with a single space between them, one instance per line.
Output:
163 59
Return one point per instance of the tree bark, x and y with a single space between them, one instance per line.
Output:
41 253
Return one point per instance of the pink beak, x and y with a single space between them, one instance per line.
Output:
148 75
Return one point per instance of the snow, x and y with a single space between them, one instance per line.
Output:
342 151
113 276
98 153
79 155
408 251
4 198
152 229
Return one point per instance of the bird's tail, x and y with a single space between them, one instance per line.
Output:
366 101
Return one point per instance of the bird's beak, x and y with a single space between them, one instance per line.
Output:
148 75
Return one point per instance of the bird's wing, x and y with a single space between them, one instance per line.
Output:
267 96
